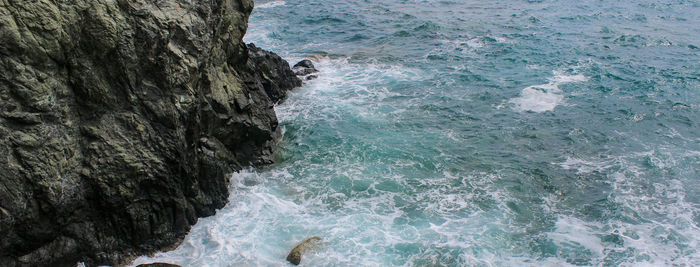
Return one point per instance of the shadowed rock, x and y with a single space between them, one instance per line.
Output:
270 72
295 255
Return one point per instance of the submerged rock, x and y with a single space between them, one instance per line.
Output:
120 122
295 255
304 67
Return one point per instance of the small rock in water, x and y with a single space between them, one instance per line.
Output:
311 77
305 63
295 255
304 67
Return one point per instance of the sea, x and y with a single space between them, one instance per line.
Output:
473 133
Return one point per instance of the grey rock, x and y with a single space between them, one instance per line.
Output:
305 63
295 254
304 67
121 121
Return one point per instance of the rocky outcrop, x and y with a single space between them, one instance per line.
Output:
304 67
294 256
271 72
120 121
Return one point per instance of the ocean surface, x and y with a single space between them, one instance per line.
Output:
474 133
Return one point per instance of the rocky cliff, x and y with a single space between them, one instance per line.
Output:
120 121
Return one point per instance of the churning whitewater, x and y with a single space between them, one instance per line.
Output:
474 133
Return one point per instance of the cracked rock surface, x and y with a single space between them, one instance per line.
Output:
121 120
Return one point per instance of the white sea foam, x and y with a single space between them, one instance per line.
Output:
245 232
344 87
573 233
475 42
668 233
544 97
471 43
271 4
585 166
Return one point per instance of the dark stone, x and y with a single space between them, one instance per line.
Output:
121 122
311 77
304 67
305 63
294 256
271 72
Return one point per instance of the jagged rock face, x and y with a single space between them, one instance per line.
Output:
271 72
119 122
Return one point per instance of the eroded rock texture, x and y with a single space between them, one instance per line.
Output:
119 122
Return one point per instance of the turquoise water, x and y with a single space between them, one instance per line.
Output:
473 133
